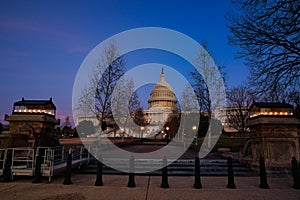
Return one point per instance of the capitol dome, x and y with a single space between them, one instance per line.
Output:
162 94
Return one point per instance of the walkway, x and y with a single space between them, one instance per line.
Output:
147 188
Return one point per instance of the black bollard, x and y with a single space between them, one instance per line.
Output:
197 183
7 173
263 174
296 173
294 168
37 172
297 179
68 171
99 181
164 180
230 183
131 182
294 164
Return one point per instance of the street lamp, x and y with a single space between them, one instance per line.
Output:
167 132
142 129
162 134
123 120
194 128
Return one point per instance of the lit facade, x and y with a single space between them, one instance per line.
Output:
270 109
31 124
34 106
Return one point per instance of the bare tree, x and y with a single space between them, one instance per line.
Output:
268 33
294 98
240 99
67 121
187 100
206 95
126 105
120 100
85 128
102 83
172 124
189 105
136 111
138 117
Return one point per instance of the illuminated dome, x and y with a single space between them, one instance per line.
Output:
162 94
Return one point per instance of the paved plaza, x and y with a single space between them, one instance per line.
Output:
147 187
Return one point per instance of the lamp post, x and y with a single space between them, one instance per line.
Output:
123 133
167 133
142 129
194 128
162 134
123 120
183 139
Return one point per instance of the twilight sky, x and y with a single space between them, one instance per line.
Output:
43 43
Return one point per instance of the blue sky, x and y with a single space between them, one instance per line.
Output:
43 43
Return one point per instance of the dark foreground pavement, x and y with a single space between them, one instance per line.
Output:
147 187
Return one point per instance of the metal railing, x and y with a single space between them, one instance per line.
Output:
53 159
23 161
2 160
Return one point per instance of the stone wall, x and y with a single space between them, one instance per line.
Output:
3 141
273 137
278 152
32 130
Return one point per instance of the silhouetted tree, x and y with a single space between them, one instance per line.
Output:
294 98
75 133
188 101
206 95
126 105
58 132
85 128
102 84
268 33
67 121
139 117
173 122
239 99
67 131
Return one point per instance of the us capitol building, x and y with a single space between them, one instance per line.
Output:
160 105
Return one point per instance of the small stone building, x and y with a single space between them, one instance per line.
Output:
274 134
31 124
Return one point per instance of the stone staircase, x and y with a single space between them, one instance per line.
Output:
208 167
